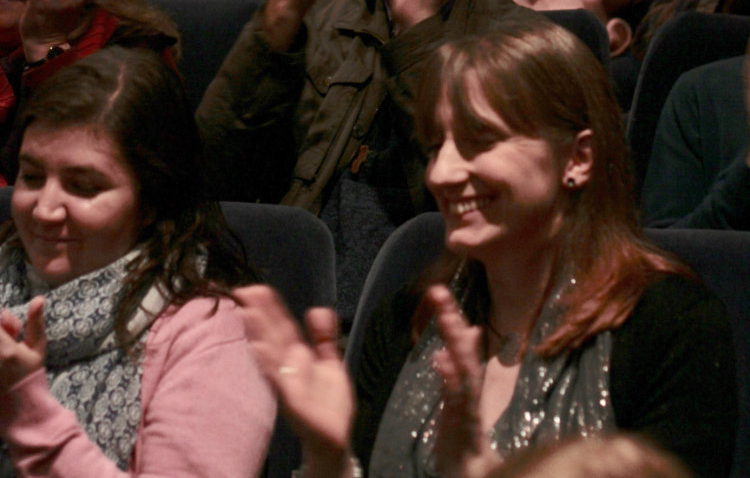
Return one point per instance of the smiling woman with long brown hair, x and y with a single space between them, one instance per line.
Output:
558 319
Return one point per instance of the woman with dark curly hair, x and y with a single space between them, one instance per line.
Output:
39 37
134 360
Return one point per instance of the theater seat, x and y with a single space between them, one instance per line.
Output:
684 42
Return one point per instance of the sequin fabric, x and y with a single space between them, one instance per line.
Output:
86 369
554 398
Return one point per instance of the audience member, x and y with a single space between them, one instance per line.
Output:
581 327
609 457
311 108
660 11
134 362
698 175
620 18
39 37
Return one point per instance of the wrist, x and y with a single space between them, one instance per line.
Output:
338 465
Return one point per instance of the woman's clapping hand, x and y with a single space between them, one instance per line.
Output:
462 448
19 359
313 386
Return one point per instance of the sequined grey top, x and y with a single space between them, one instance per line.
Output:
671 375
554 397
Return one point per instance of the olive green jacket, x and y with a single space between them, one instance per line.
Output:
278 126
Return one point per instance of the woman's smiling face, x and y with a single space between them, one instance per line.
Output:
496 188
75 202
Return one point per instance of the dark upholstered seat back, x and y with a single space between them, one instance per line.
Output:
686 41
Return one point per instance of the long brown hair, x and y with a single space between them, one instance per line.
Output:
544 83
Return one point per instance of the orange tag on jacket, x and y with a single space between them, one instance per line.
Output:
361 157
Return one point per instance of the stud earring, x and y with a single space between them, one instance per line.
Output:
571 183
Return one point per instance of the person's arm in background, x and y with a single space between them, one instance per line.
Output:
699 172
246 115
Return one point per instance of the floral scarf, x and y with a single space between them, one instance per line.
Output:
86 369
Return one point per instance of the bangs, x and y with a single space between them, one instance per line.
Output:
461 76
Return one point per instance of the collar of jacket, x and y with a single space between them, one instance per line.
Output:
369 17
364 17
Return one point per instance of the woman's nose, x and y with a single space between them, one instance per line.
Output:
447 167
50 204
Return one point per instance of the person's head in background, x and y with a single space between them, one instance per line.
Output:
10 15
128 108
133 15
619 17
619 456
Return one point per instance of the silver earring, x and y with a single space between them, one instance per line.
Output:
571 183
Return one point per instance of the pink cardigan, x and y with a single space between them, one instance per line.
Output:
206 409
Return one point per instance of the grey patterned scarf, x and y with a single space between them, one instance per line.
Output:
554 398
86 369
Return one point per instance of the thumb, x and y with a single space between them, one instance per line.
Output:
36 337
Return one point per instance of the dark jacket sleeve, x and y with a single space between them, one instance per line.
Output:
246 118
673 375
697 176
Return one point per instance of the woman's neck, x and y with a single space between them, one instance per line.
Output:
518 284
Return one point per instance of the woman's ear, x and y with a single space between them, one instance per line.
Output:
578 167
620 36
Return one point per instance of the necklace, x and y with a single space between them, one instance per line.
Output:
508 346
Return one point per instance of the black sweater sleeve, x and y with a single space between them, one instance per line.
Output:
673 375
386 346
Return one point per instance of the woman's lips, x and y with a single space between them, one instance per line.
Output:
466 205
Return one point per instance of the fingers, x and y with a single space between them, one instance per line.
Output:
10 324
322 326
271 331
460 365
265 316
18 359
460 339
36 337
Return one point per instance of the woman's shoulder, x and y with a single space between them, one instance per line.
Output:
200 321
674 307
674 303
679 328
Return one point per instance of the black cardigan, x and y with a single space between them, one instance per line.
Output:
672 376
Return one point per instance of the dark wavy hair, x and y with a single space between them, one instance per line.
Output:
130 96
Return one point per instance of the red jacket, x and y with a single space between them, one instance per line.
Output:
15 82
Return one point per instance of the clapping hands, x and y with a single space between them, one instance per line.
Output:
316 394
313 386
19 359
462 448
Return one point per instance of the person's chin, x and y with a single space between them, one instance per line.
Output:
461 242
54 272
